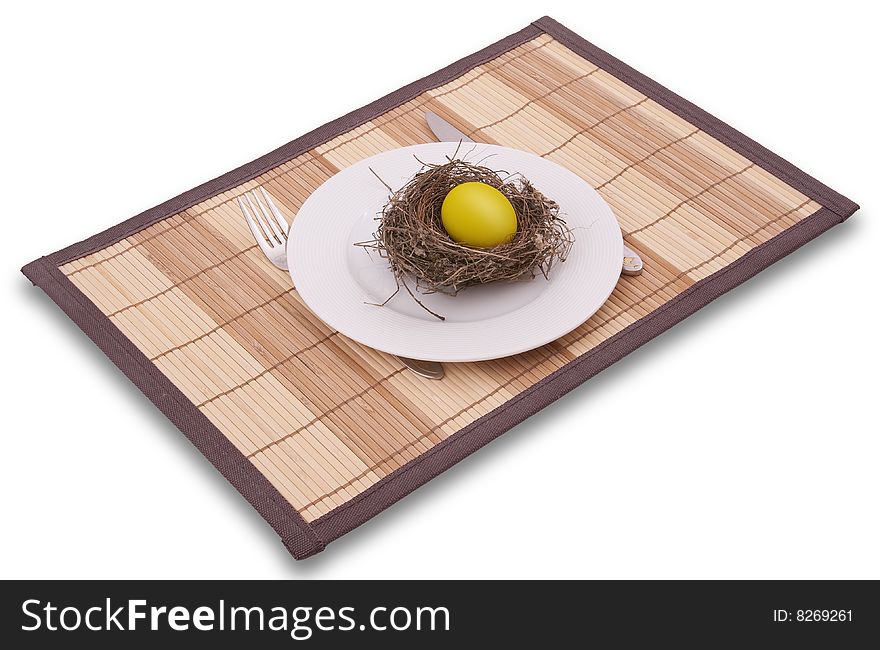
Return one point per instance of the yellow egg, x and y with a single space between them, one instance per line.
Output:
476 214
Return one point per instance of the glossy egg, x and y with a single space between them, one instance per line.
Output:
478 215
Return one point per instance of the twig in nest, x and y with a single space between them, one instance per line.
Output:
412 237
380 179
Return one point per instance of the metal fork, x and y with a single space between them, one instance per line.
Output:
270 229
268 225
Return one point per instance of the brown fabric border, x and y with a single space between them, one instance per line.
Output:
725 133
461 444
292 149
299 538
303 539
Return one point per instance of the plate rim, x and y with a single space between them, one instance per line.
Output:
449 357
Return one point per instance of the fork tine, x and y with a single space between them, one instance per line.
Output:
269 220
256 231
282 222
253 221
271 234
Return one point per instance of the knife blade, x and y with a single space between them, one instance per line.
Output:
443 130
446 132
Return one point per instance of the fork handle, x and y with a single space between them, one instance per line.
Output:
427 369
632 262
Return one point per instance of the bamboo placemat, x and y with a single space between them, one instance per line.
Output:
320 433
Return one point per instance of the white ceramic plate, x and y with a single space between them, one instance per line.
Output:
337 280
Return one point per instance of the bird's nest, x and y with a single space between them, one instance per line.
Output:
412 238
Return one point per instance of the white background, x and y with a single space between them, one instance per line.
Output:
743 443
